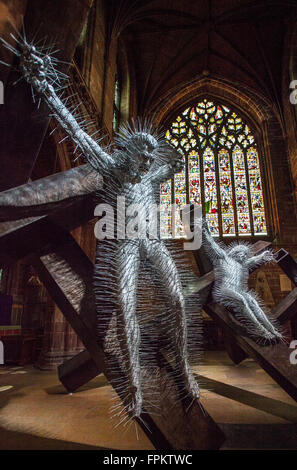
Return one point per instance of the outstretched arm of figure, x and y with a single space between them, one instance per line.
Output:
211 245
39 71
41 196
255 261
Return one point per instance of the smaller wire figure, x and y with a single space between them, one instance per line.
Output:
231 267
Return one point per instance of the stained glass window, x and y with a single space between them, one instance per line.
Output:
221 158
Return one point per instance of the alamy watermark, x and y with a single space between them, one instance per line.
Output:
138 221
293 94
293 355
1 353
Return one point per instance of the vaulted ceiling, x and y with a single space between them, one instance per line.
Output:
172 42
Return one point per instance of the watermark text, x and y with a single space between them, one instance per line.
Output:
138 221
293 94
293 354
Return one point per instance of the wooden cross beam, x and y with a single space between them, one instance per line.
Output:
287 264
66 272
34 214
19 238
70 371
58 254
287 308
274 359
235 353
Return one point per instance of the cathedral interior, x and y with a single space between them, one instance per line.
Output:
218 78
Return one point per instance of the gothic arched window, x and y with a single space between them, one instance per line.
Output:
221 172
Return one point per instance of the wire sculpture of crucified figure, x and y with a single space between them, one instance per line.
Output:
142 160
231 267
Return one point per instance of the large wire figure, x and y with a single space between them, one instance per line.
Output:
231 267
141 162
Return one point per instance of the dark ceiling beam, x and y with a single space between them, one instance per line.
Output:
273 93
22 124
234 63
169 76
252 70
157 52
191 59
170 70
253 9
162 29
172 66
232 17
123 14
168 13
250 21
131 34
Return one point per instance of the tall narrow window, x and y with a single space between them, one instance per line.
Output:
222 169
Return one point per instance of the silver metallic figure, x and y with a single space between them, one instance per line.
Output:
141 162
231 267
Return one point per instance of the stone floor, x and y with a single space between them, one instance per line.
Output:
37 413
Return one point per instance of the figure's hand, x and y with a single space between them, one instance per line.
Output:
267 256
33 65
176 161
39 69
177 165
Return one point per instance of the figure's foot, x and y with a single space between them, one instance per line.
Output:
135 407
275 334
271 337
257 315
257 327
270 331
261 332
191 385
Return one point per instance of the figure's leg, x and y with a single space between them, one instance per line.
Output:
162 261
238 301
129 333
254 305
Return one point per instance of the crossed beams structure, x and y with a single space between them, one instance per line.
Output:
67 274
34 222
